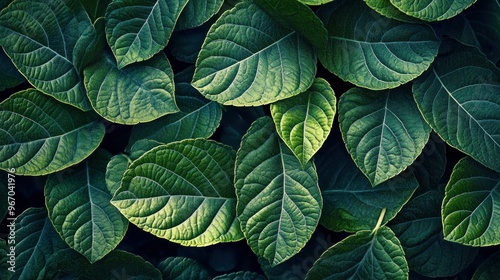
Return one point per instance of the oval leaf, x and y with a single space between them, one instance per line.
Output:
138 29
248 59
139 93
181 268
459 99
279 201
383 131
79 207
183 192
365 255
432 10
39 135
304 121
197 12
470 212
372 51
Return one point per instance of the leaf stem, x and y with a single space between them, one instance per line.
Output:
380 219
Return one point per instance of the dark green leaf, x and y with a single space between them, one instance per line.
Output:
186 44
7 260
386 8
181 268
235 123
241 275
430 165
432 10
9 76
95 8
489 269
197 12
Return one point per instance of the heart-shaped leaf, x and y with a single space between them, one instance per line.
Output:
249 59
197 12
279 201
39 135
181 268
304 121
432 10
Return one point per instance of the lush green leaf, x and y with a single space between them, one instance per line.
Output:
117 166
136 30
387 9
78 202
181 268
304 121
40 37
459 99
365 255
182 191
9 76
279 201
197 12
372 51
383 131
249 59
241 275
432 10
470 213
39 135
489 269
142 92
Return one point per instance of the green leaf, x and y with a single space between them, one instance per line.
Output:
489 269
95 8
387 9
182 191
40 37
117 166
39 135
383 131
6 262
315 2
418 227
197 12
138 29
430 165
365 255
140 93
459 99
181 268
372 51
350 203
241 275
9 75
79 207
248 59
279 201
432 10
4 193
470 211
186 44
304 121
235 123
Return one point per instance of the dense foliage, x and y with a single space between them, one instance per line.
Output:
253 139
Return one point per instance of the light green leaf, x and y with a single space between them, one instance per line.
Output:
39 135
489 269
138 29
117 166
470 211
182 191
140 93
40 38
197 12
279 201
79 207
365 255
9 75
418 227
432 10
383 131
249 59
387 9
181 268
304 121
459 99
372 51
241 275
350 203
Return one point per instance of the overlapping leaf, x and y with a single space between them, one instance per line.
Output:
432 10
139 93
372 51
197 12
183 192
470 211
117 166
248 59
386 8
39 135
9 76
279 201
489 269
138 29
182 268
304 121
383 131
459 99
79 207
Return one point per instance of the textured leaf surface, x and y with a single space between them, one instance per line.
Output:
418 227
248 59
350 203
315 2
459 99
39 37
39 135
183 192
138 29
432 10
471 206
181 268
79 207
139 93
279 201
197 12
373 51
383 131
489 269
304 121
117 166
386 8
365 255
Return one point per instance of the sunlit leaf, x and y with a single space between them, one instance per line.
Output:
386 8
432 10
